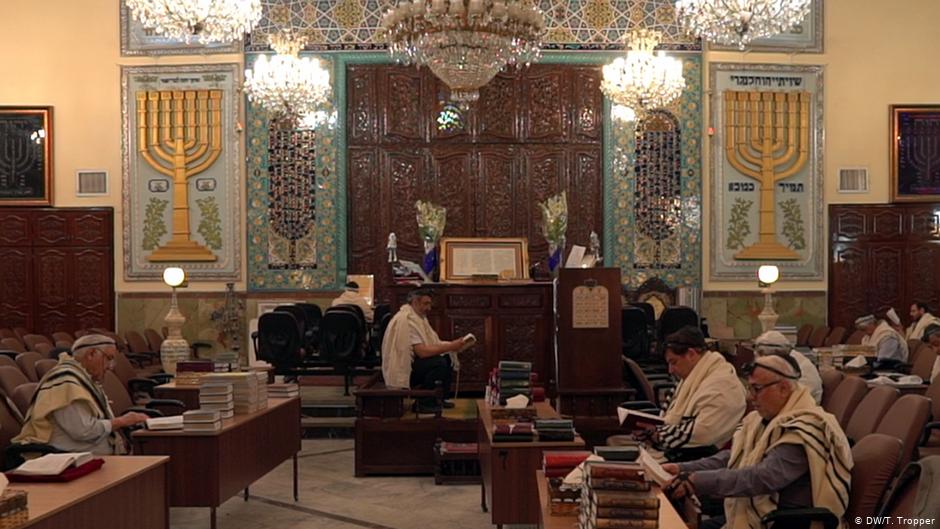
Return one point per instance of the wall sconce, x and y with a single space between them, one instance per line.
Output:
767 275
174 347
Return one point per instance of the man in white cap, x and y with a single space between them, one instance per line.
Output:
351 296
775 343
890 346
921 318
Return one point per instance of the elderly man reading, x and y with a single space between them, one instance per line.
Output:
775 343
70 411
890 346
789 453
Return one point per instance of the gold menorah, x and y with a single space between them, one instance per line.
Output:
179 134
767 139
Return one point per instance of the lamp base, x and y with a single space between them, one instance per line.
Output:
173 350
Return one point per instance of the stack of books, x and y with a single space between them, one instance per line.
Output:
617 496
521 432
564 499
514 378
555 429
283 390
216 396
229 358
190 372
249 390
202 421
174 422
558 464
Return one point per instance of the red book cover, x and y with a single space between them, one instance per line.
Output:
68 474
563 459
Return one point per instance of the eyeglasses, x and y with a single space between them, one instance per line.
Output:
756 388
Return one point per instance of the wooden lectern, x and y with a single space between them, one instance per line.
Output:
588 350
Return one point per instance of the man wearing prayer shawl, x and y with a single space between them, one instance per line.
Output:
70 411
890 346
921 318
788 454
774 342
707 404
932 337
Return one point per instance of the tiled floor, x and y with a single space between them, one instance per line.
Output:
331 498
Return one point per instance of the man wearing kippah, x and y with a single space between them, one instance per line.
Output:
70 411
932 337
351 296
921 318
890 346
775 343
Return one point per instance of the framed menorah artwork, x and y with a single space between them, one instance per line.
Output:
181 170
26 156
806 37
915 153
767 170
138 40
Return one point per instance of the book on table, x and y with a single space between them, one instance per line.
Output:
174 422
203 426
201 416
633 420
52 464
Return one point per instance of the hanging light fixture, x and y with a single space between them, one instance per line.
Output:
737 22
207 20
289 88
464 42
642 80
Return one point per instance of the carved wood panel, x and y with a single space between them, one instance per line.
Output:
401 113
545 120
883 256
16 296
361 105
474 361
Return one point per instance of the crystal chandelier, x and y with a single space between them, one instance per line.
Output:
737 22
464 42
289 88
642 80
208 20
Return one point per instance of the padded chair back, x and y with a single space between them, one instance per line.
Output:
64 344
922 364
314 315
20 332
124 369
27 362
23 396
355 309
81 332
855 338
43 366
743 355
818 338
341 337
8 361
137 343
648 310
13 344
634 332
279 339
933 393
912 345
117 393
31 340
380 311
906 420
119 342
636 378
300 316
10 424
154 339
44 349
378 332
7 333
831 378
10 378
835 337
869 412
802 336
877 458
846 398
62 336
674 318
901 500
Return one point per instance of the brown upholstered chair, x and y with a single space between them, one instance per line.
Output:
45 349
931 444
903 499
137 343
121 399
10 424
81 332
743 355
30 340
912 346
10 378
44 366
855 338
23 396
12 344
139 381
7 333
154 339
906 420
922 363
8 361
867 415
62 336
845 399
831 378
802 336
64 344
818 338
835 337
27 362
20 332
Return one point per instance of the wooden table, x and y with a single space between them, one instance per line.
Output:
508 469
128 491
207 468
668 517
188 395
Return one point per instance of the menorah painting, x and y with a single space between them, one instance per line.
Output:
26 155
179 135
915 153
766 139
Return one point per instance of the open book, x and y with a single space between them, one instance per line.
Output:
52 464
632 420
174 422
653 470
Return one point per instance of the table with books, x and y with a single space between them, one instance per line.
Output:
239 434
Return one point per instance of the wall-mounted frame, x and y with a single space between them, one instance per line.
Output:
915 144
137 40
468 258
26 156
805 38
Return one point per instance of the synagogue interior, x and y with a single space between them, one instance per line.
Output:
396 264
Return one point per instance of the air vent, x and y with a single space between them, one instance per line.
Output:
853 179
91 183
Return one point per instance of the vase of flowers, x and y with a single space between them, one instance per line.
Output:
554 226
431 221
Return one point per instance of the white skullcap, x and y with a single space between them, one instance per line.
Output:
867 319
893 316
772 342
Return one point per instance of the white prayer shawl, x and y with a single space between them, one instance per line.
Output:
397 349
706 408
803 423
916 330
882 331
353 298
809 375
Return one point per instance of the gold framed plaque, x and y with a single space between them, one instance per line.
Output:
465 259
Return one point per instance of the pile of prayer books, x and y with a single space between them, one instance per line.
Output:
190 372
202 421
512 378
555 429
563 499
283 390
617 496
217 396
249 389
521 432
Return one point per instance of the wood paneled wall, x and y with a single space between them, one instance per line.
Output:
885 255
533 133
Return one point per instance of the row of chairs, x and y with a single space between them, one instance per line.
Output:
17 341
808 336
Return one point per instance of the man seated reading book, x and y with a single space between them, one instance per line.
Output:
788 454
707 404
414 356
70 411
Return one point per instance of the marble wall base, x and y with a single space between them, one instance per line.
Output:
739 310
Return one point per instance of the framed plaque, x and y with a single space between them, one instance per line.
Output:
469 259
915 144
26 156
